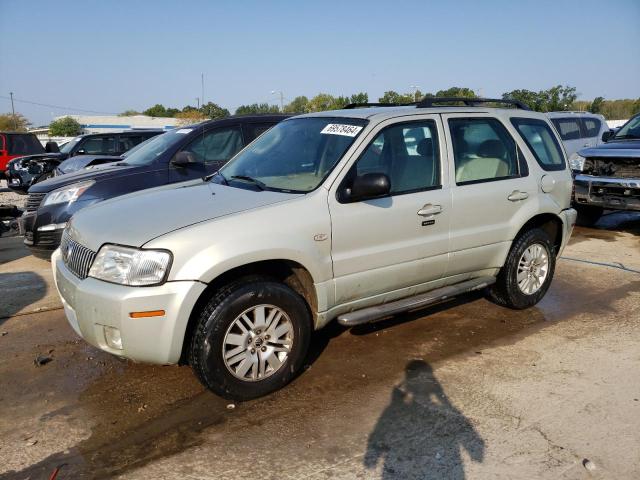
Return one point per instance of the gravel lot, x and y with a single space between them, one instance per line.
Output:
461 390
7 197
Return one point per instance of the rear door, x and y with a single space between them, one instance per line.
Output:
490 185
211 150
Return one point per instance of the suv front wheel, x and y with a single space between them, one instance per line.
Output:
526 275
251 338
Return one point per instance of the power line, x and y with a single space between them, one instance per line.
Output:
58 106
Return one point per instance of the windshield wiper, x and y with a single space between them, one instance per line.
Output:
257 183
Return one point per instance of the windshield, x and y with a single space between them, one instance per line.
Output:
631 129
151 149
294 156
67 147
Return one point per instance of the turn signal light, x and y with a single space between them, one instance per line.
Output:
151 313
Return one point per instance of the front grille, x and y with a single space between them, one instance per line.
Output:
613 167
76 257
34 201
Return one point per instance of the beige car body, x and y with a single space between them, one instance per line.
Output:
344 257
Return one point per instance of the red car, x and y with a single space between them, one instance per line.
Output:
17 144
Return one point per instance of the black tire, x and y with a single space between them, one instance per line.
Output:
206 352
506 291
588 216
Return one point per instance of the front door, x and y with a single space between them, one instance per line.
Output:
389 244
211 151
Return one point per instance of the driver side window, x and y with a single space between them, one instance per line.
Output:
216 146
407 153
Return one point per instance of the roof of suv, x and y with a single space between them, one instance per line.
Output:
383 113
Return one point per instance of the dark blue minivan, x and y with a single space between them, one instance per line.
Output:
176 156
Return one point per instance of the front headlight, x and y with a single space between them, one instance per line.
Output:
68 194
576 162
130 266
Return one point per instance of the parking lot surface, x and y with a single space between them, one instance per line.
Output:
465 389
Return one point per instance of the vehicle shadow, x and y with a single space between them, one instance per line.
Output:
12 248
609 227
19 290
420 433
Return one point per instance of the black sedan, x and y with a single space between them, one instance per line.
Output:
176 156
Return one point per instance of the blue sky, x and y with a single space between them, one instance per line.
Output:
116 55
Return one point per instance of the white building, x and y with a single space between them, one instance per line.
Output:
111 123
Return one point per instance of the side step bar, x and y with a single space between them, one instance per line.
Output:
378 312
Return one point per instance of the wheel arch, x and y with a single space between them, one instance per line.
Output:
289 272
550 223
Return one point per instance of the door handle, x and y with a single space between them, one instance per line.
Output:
517 195
429 210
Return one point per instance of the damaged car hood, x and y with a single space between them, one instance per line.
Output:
137 218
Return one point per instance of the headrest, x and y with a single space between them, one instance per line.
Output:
492 149
425 147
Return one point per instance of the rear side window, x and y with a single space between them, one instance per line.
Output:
541 141
483 150
127 142
254 130
591 126
569 128
98 146
23 145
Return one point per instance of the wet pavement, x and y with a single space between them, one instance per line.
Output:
464 389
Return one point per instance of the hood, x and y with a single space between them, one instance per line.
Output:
140 217
41 156
95 173
81 161
620 148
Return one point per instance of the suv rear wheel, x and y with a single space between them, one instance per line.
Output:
526 275
251 338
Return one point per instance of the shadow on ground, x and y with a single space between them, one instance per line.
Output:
18 290
420 434
12 248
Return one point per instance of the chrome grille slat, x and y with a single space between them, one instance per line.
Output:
34 200
76 257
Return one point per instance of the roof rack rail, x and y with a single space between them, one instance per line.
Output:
471 102
361 105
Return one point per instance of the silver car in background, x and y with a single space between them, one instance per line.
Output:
580 130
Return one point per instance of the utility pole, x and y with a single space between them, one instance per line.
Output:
198 100
13 110
202 81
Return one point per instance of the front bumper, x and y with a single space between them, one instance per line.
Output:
41 243
607 192
91 304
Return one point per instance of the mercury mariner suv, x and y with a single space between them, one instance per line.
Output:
349 216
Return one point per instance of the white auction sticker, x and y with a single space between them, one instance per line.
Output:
341 129
184 130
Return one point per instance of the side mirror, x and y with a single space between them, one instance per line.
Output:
370 185
606 136
183 159
52 147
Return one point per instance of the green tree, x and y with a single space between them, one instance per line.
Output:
11 123
298 105
395 97
529 98
158 110
596 105
558 98
212 110
322 102
256 108
65 127
171 112
129 113
360 97
456 92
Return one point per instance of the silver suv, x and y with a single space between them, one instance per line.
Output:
348 216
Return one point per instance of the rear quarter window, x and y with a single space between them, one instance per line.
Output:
591 126
569 128
543 144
